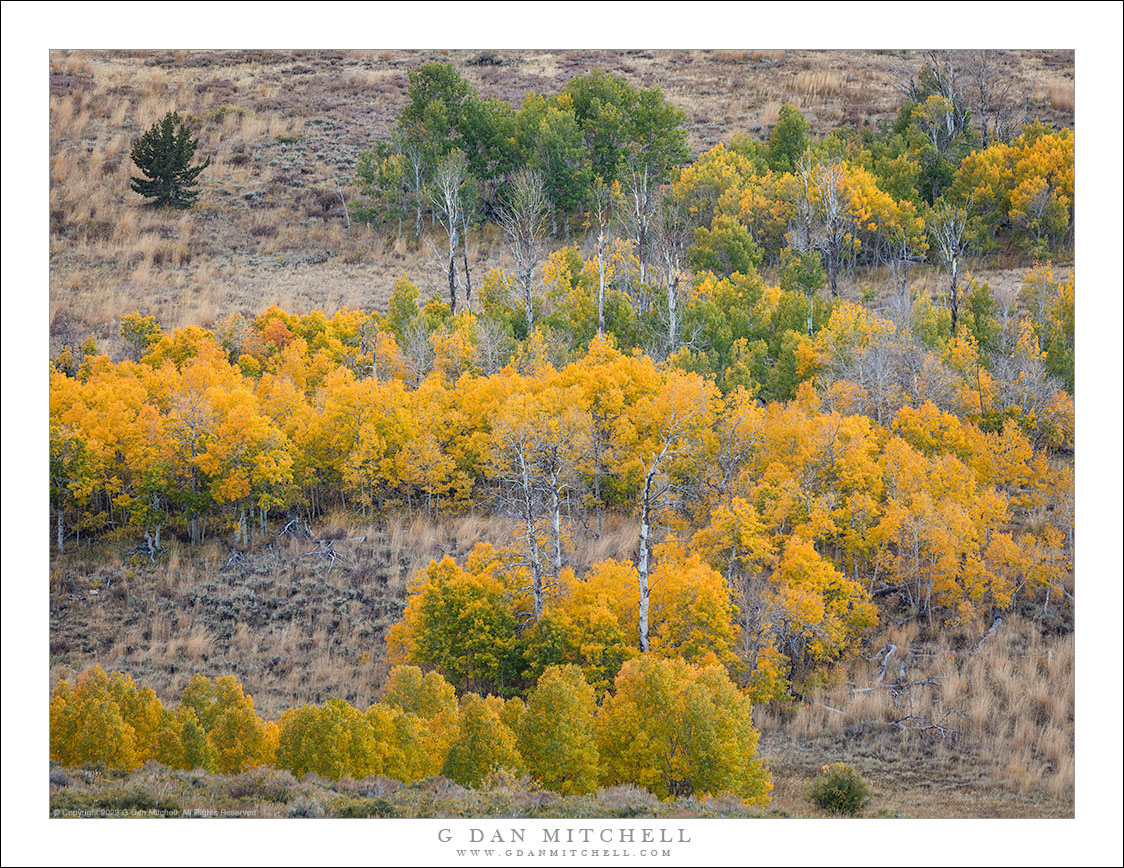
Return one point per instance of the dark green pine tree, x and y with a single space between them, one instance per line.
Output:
164 155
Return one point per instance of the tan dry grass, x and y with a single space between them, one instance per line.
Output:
244 640
1010 700
818 83
1059 94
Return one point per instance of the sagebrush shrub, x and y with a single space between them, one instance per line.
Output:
839 790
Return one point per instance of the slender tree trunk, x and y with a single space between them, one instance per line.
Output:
673 312
953 297
453 269
529 530
528 303
60 533
556 514
645 551
601 283
467 276
642 566
597 472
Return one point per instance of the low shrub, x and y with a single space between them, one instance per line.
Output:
839 790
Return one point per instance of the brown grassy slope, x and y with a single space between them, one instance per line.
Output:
955 728
284 128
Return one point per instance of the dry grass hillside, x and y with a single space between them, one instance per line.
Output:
284 130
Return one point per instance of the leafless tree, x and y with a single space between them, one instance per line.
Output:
602 209
871 369
413 154
942 78
1023 385
656 485
897 251
515 445
822 206
524 222
639 211
949 231
1006 296
563 435
673 237
448 207
989 93
494 346
464 249
834 201
939 92
973 87
417 349
533 459
923 377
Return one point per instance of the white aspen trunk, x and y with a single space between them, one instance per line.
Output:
673 310
529 530
528 303
556 507
601 282
954 301
642 566
464 251
453 266
596 425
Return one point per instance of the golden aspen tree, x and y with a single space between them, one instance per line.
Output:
680 730
241 740
556 735
333 740
484 744
98 719
692 614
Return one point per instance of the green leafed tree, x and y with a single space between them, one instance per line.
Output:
164 156
556 732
